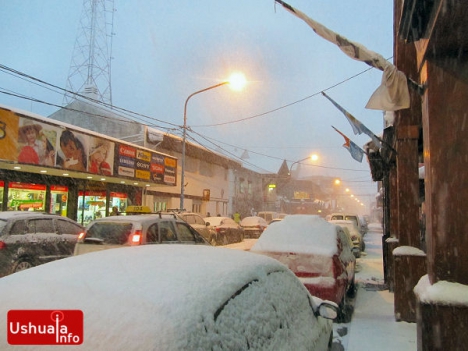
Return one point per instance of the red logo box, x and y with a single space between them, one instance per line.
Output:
45 327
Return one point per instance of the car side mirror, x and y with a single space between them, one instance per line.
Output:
207 224
328 310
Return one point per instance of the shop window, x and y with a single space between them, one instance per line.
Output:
26 197
58 200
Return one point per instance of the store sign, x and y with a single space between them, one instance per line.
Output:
29 140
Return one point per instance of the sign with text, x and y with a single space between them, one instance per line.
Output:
45 327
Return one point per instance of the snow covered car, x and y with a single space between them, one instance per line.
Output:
117 231
350 217
318 252
228 231
253 226
173 297
354 234
29 239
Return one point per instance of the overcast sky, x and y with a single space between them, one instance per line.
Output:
163 51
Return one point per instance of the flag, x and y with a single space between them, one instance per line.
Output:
356 152
392 94
358 127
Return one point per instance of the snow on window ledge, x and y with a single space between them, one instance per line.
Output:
391 240
408 251
441 293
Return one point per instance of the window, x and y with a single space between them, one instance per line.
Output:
42 225
18 228
249 188
166 231
65 227
196 208
152 234
185 234
241 186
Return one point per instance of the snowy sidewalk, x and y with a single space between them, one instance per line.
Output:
373 326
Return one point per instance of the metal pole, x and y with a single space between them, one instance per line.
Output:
290 168
184 141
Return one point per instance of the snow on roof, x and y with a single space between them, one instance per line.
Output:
441 293
301 234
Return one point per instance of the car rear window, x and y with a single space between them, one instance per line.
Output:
110 233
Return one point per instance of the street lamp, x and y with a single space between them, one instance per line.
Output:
313 157
236 82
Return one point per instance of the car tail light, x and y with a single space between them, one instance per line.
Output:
354 238
217 229
136 238
2 245
81 236
307 274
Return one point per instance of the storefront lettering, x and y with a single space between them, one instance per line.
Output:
125 161
127 151
143 155
143 165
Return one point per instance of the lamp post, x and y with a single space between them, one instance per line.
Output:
236 81
313 157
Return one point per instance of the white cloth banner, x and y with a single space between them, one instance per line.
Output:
392 94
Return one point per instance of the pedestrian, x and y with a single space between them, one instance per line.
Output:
115 211
237 217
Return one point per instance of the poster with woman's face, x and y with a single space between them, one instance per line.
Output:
37 142
101 156
73 151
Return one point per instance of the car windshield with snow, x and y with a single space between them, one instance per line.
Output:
318 252
177 297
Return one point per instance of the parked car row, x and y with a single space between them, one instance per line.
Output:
260 304
318 252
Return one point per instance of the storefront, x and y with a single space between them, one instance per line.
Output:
51 167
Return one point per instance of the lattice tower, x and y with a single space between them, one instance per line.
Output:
90 68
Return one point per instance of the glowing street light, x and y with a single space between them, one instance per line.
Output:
237 82
313 158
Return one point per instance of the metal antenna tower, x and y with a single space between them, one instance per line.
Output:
90 68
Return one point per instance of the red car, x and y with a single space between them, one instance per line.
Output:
318 252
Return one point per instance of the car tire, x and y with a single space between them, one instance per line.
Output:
352 289
225 240
21 265
345 312
363 245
